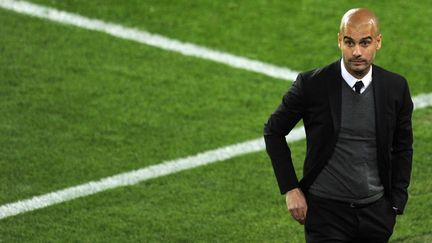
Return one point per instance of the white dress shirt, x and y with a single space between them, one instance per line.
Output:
351 80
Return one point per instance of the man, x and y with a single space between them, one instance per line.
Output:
357 118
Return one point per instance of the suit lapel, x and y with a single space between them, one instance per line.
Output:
334 89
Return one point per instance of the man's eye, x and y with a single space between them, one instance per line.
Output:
365 43
349 43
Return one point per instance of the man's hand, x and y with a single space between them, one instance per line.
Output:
296 204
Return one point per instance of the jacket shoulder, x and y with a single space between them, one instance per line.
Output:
318 74
384 74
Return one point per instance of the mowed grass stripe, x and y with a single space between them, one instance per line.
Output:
158 41
136 176
233 201
79 105
154 171
65 220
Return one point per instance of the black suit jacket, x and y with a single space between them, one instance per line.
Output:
316 97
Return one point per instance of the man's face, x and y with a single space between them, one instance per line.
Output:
359 44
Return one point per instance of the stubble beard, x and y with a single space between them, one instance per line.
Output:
358 71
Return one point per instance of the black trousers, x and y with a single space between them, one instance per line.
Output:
335 221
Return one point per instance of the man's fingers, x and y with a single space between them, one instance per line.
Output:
296 204
301 221
294 213
299 214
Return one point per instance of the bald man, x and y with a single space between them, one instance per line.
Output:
357 118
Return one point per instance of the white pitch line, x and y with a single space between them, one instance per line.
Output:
168 167
136 176
422 101
154 171
147 38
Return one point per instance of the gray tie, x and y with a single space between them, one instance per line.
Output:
358 86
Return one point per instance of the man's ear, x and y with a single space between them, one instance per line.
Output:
339 40
379 41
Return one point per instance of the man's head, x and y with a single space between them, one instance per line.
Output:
359 38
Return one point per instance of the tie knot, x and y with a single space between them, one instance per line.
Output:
358 86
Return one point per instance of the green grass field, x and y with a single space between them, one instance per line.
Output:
78 105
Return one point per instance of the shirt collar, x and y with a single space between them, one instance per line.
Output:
351 80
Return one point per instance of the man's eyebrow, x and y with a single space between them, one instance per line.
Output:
362 39
366 38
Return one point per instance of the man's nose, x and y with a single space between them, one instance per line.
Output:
357 51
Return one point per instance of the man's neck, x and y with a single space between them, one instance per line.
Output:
351 78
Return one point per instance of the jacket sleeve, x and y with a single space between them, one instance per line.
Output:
280 123
402 151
